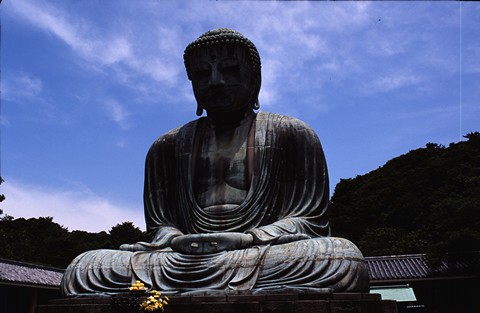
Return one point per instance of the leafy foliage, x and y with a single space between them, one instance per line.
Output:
427 200
42 241
2 197
125 233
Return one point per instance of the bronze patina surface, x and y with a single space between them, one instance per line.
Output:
234 201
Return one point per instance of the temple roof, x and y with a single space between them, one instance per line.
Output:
397 267
416 266
25 274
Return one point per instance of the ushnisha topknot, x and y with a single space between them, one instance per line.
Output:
223 35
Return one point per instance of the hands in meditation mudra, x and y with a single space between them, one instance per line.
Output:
235 200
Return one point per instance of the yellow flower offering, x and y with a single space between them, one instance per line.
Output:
154 302
137 286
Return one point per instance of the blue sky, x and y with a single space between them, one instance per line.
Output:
87 86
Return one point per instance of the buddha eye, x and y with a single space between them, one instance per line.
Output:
231 69
202 74
229 66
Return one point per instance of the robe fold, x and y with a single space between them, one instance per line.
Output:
288 190
288 195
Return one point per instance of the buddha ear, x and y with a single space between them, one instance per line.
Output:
199 110
256 104
257 84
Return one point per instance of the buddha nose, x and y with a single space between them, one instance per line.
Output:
216 78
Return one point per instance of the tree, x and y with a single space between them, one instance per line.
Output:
42 241
2 198
36 240
472 135
427 200
124 233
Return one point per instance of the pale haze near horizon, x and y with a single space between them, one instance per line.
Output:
86 87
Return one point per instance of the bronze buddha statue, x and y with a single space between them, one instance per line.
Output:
236 200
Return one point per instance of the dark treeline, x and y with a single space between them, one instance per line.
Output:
425 201
42 241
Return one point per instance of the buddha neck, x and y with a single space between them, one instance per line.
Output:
229 120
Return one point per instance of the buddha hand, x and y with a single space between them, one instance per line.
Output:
289 238
211 243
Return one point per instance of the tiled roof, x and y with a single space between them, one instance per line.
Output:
398 267
14 272
415 266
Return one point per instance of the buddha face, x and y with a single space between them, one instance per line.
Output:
222 78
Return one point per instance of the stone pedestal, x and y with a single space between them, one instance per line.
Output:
268 303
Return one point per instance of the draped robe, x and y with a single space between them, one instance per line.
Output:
288 195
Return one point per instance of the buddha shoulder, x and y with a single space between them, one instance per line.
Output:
287 125
170 138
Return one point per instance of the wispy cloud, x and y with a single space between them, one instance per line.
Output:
118 48
292 35
55 22
387 83
21 86
117 113
76 209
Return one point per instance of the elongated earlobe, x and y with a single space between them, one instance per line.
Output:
256 105
199 110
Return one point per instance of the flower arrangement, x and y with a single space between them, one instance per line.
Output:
137 286
154 302
132 301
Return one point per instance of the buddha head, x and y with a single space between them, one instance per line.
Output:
224 68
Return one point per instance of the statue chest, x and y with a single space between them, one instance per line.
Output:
220 166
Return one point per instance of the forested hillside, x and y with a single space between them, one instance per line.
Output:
42 241
426 201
